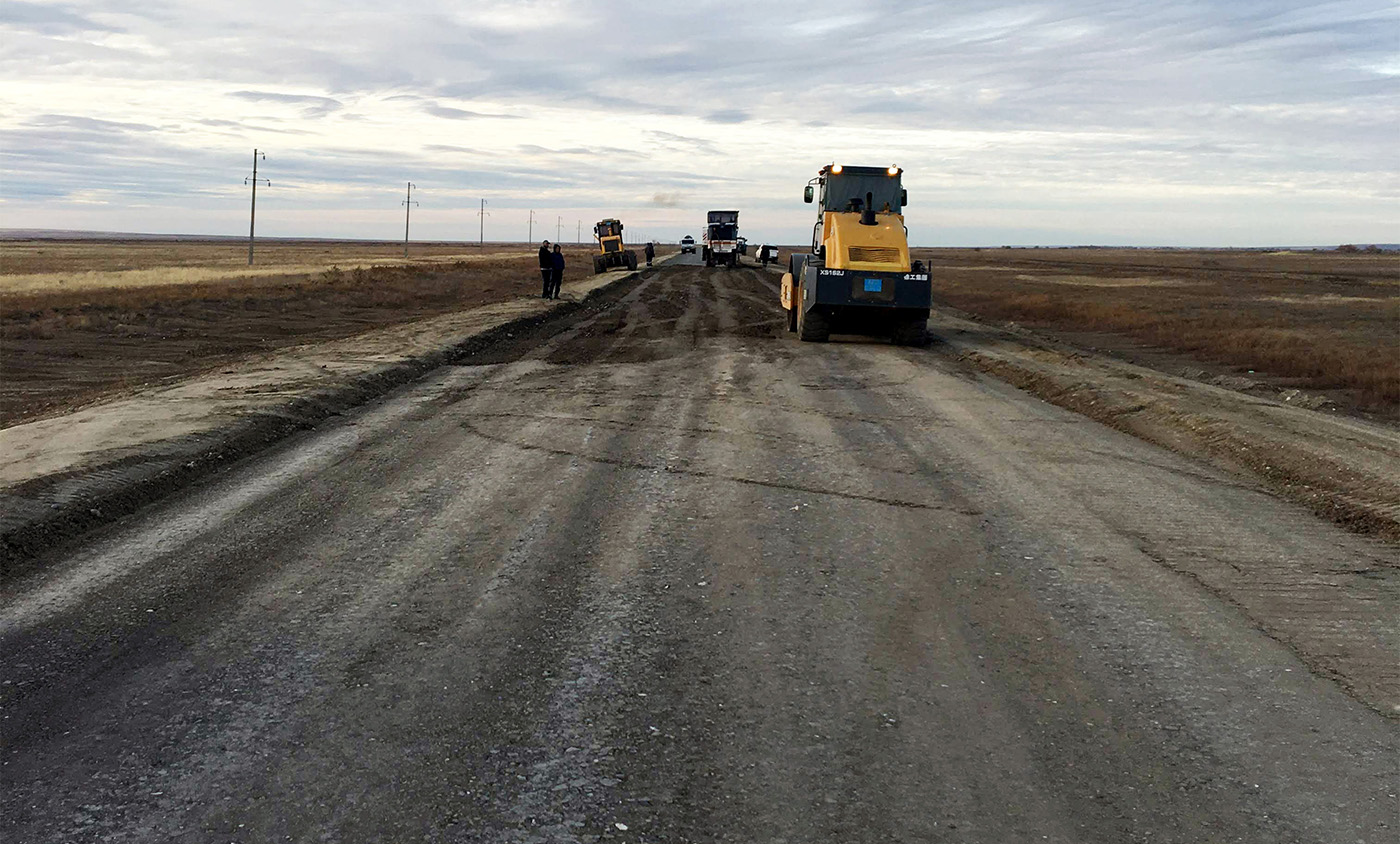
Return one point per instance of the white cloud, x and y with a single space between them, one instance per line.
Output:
1109 116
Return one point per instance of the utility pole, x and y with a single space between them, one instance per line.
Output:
531 238
559 230
483 214
253 209
578 236
407 205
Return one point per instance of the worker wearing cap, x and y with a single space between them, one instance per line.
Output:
546 268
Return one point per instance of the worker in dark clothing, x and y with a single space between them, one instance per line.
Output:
546 268
557 274
651 252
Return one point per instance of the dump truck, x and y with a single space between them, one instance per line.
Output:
721 239
611 252
857 278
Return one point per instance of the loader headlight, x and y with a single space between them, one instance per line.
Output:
836 168
893 171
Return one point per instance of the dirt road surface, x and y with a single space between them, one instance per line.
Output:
669 575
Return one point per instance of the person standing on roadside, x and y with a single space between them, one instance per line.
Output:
557 273
546 268
651 252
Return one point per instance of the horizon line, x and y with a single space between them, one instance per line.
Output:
15 234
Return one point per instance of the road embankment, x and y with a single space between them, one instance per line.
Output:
70 473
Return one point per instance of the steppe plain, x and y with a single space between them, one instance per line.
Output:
84 318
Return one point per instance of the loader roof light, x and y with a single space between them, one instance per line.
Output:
893 171
836 168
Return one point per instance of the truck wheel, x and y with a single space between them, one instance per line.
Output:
792 318
631 260
812 326
599 264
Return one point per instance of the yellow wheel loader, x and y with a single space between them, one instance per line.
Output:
857 278
610 250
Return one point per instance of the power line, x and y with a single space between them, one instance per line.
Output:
407 205
253 207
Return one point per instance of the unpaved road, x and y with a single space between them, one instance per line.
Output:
672 571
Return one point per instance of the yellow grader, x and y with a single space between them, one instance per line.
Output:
610 250
857 278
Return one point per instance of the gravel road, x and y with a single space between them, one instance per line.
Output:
665 574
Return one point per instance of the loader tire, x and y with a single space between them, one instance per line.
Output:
812 325
631 258
792 318
600 264
911 331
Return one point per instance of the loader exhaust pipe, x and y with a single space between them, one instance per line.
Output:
867 214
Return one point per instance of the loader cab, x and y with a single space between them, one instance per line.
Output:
866 191
859 189
609 234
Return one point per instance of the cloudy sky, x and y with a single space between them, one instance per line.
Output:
1238 122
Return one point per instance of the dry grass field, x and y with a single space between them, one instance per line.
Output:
34 266
84 319
81 320
1322 322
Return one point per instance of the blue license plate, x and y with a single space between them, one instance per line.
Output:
872 285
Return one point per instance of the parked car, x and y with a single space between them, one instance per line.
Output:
688 245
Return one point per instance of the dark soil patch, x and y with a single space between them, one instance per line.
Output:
65 349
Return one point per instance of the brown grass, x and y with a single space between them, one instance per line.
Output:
18 257
1316 321
40 266
61 346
